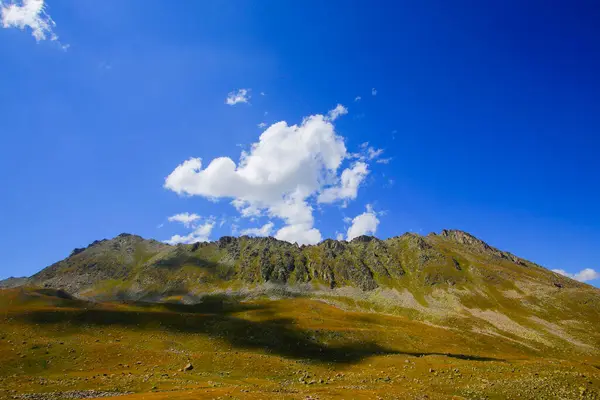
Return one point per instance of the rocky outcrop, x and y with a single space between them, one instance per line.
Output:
13 282
130 266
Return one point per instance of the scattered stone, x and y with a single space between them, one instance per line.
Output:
188 367
74 394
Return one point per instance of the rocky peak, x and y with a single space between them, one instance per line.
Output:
225 241
331 244
77 250
363 239
462 237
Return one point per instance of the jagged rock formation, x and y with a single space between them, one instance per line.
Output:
451 278
129 265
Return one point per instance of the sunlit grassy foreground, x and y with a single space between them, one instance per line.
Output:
294 348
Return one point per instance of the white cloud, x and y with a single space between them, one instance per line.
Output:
584 275
299 233
279 176
262 125
363 224
373 153
339 236
29 14
200 234
368 153
383 161
374 92
338 111
264 230
357 98
241 96
349 183
263 94
185 218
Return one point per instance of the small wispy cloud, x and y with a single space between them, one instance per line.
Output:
584 275
200 233
384 160
186 219
357 98
369 153
338 111
374 92
264 230
373 153
29 14
363 224
262 125
240 96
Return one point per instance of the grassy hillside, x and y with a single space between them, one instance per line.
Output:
443 315
451 279
291 348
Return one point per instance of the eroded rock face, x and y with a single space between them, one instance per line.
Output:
129 266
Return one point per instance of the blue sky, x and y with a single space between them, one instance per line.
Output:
478 117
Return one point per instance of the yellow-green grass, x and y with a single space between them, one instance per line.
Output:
289 348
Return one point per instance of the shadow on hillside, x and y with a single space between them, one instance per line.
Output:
451 355
214 317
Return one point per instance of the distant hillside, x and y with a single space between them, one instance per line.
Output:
129 265
452 279
13 282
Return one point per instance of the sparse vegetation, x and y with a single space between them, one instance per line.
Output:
446 316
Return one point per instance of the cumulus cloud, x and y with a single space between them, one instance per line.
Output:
186 219
299 233
338 111
349 183
279 176
264 230
584 275
201 233
29 14
241 96
363 224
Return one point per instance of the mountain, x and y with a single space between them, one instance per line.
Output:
442 278
132 267
13 282
441 316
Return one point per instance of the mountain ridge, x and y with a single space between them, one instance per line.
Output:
331 246
450 279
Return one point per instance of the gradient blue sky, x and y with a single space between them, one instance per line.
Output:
490 114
